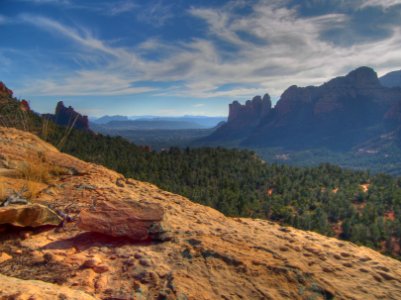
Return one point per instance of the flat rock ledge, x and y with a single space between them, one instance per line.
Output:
14 288
125 218
29 215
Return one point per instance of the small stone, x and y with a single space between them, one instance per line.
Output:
48 257
129 263
4 257
90 263
95 264
26 235
120 182
100 269
144 262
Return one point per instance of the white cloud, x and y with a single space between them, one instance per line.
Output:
155 13
380 3
121 7
274 47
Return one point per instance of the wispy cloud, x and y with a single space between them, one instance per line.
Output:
270 47
121 7
380 3
156 13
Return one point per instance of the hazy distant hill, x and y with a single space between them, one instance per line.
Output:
158 122
392 79
149 125
107 119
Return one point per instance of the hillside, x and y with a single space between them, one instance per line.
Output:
325 199
194 246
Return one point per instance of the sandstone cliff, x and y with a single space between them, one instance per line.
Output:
198 252
67 116
340 114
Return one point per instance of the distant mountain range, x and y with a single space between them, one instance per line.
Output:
343 113
156 122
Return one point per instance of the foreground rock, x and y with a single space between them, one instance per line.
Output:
128 219
14 288
30 215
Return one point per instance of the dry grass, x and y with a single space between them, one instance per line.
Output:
39 172
31 189
36 175
37 169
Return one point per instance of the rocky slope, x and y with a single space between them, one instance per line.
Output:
339 115
194 252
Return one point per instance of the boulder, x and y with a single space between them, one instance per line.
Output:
29 215
129 219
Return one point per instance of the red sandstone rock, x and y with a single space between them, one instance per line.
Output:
122 219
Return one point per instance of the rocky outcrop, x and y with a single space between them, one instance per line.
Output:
252 111
242 118
30 215
127 219
68 117
24 105
340 114
4 90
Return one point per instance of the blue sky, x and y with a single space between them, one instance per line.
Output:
182 57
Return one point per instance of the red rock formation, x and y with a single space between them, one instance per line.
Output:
252 111
67 116
5 90
128 219
24 105
340 114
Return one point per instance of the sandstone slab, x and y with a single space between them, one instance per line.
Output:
14 288
129 219
30 215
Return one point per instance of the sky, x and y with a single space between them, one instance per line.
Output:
186 57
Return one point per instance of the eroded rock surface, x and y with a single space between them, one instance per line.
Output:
18 289
124 218
29 215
